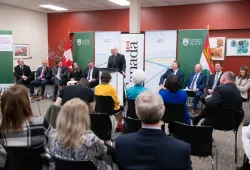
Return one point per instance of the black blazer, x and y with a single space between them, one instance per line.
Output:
210 82
179 74
47 73
118 62
20 72
152 149
76 75
63 75
95 75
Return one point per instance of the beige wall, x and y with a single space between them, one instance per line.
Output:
28 27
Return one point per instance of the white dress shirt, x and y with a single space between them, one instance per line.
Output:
90 74
175 71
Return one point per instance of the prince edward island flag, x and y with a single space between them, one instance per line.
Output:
193 48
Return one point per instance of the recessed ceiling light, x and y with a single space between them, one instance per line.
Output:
53 7
121 2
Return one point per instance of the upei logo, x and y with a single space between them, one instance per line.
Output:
79 41
185 41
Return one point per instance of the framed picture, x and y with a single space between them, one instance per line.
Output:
217 47
238 47
21 51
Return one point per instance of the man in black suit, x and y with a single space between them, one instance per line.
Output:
22 73
42 78
117 60
60 77
150 147
175 70
224 97
213 81
92 74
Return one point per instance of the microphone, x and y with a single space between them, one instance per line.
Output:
35 100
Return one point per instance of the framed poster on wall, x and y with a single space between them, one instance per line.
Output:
21 51
217 47
238 47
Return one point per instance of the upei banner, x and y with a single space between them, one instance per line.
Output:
104 41
132 46
190 50
160 52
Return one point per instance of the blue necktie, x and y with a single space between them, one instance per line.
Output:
194 80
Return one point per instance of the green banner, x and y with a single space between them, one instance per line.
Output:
190 46
83 48
6 57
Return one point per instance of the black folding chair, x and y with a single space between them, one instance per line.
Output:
104 104
199 138
131 125
73 165
131 109
21 158
225 120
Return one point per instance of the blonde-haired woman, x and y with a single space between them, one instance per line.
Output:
73 139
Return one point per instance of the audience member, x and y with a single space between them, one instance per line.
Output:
22 73
175 71
172 94
138 78
76 72
81 91
213 81
92 74
243 82
224 97
73 139
196 82
19 127
150 147
42 78
60 77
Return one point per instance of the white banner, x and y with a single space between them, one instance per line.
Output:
132 46
160 52
6 43
104 41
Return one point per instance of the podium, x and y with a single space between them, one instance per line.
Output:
117 82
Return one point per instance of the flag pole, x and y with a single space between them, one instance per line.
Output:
208 28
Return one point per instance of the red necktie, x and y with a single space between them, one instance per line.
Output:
43 71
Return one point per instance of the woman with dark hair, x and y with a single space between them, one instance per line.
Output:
243 82
76 72
19 127
172 94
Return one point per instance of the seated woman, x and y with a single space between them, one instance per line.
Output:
73 139
138 78
20 128
243 82
76 72
172 94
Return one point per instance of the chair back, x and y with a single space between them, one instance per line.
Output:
104 104
73 165
199 137
101 125
131 125
224 119
174 112
21 158
52 113
131 109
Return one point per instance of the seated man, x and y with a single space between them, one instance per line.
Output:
81 91
213 81
225 96
92 74
196 82
22 73
42 78
60 77
175 70
150 148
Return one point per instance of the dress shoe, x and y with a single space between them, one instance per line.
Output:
53 99
41 98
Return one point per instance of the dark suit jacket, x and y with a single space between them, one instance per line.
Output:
95 75
63 75
47 73
200 84
76 75
117 62
26 72
152 149
169 72
210 82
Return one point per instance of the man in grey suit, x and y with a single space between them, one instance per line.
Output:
117 60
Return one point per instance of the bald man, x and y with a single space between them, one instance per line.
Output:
117 60
22 73
196 82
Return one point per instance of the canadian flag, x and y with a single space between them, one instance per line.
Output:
67 56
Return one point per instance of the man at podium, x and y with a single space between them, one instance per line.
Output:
117 61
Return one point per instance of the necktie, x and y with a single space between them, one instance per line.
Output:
215 80
193 82
43 72
89 74
22 69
